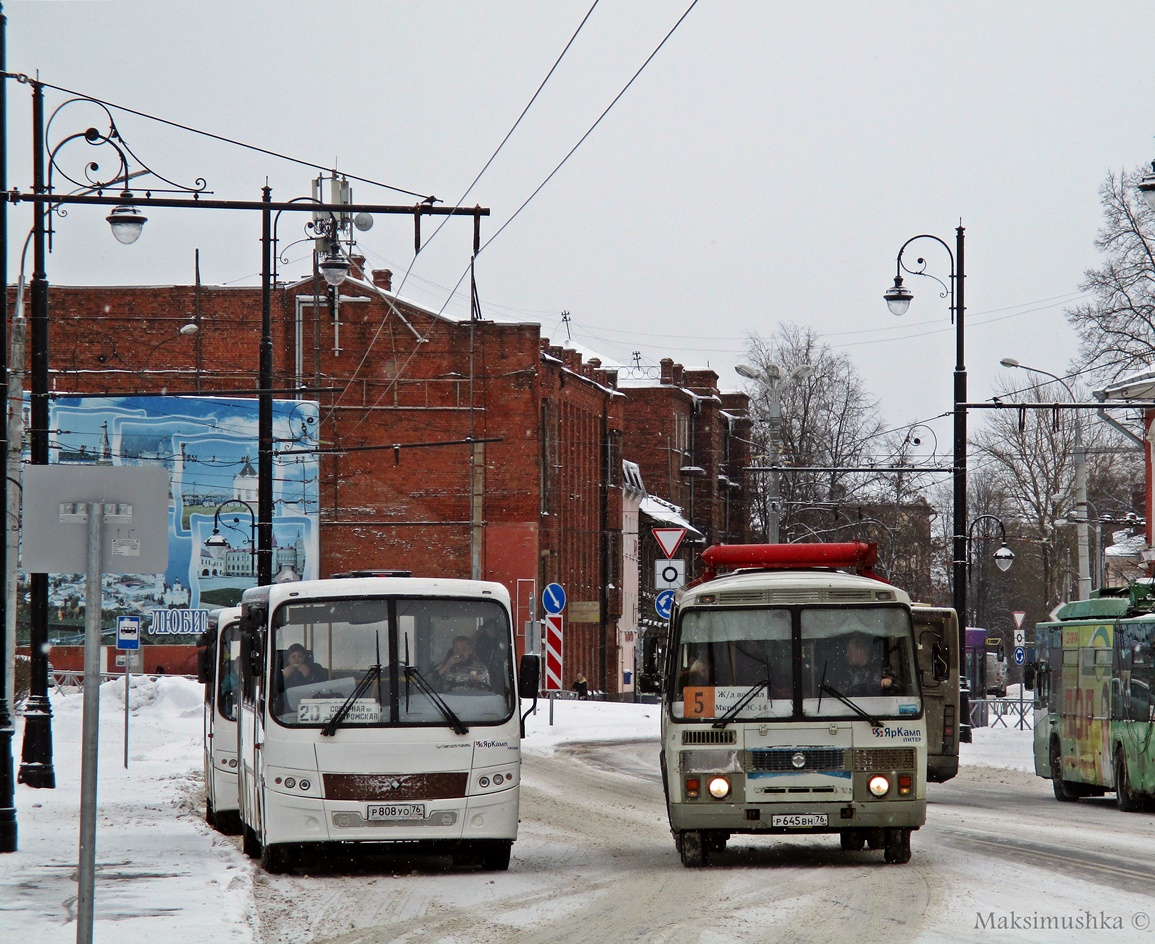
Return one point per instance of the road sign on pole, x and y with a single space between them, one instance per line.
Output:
551 640
1019 616
553 598
128 632
664 604
669 539
669 574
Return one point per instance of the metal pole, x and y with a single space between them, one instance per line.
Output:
86 871
960 443
36 768
774 512
127 686
7 784
265 404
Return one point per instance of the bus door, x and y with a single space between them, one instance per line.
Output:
1093 713
937 651
1131 704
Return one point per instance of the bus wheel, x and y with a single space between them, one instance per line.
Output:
1064 792
1125 798
897 846
693 849
250 844
276 858
852 840
209 818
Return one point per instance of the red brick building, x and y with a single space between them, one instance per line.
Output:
450 448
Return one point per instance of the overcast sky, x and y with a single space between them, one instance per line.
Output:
766 165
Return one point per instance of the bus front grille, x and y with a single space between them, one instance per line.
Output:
709 736
779 759
438 786
884 758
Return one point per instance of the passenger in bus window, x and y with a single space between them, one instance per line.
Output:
300 669
699 669
862 672
461 669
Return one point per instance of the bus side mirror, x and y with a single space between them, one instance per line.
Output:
250 657
206 659
649 683
1029 677
529 676
939 661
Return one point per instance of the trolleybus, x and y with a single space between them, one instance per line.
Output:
219 669
380 711
791 702
1093 722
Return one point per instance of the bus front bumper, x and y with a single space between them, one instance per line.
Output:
803 817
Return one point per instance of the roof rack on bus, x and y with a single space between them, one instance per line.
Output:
859 556
1136 599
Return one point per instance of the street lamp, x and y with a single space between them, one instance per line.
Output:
1003 557
185 331
898 299
1080 482
217 540
1147 187
771 377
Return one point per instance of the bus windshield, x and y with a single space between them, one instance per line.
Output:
741 663
406 660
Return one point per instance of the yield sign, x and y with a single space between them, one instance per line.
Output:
1019 616
669 539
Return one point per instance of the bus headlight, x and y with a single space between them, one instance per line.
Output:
879 785
719 787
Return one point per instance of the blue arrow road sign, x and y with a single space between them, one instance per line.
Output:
1019 655
664 603
553 599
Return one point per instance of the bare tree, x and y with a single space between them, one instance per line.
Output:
1024 472
1116 327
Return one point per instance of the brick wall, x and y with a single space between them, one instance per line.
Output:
548 498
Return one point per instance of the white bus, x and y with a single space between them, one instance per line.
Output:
219 669
380 710
791 702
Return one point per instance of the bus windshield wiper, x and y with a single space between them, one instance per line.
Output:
732 711
848 703
412 674
340 714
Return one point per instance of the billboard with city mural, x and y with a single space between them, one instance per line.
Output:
209 447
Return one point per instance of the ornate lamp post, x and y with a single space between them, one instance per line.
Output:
1003 557
127 220
898 299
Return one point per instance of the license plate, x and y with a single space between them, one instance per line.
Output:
396 811
799 820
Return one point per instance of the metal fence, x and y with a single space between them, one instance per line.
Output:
1002 712
63 681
